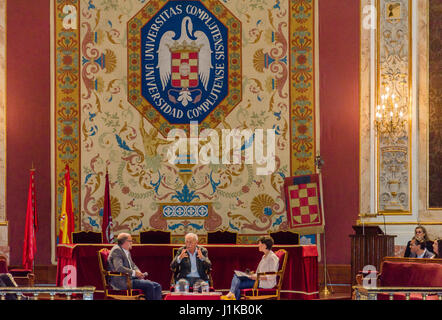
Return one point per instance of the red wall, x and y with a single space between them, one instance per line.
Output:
27 118
339 122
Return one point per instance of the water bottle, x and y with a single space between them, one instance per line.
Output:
204 287
177 287
186 287
196 287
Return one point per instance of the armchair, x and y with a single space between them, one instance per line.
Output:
285 237
257 293
155 237
109 291
21 276
221 237
87 237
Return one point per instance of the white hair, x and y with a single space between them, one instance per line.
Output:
191 234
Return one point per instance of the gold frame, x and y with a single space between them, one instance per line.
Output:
410 107
426 223
427 141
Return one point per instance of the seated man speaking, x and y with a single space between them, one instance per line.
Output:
191 261
121 261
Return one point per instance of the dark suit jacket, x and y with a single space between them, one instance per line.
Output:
182 269
118 262
408 254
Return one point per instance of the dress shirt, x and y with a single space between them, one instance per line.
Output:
269 263
129 259
193 268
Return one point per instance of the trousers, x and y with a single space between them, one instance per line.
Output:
239 283
151 289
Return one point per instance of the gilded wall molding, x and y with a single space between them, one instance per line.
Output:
425 211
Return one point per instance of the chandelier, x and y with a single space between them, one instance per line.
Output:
390 119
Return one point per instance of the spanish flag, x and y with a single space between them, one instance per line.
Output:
67 213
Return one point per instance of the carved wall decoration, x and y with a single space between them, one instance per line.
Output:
394 72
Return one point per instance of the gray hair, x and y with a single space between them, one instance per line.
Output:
191 235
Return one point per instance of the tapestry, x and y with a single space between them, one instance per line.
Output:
156 92
303 204
435 105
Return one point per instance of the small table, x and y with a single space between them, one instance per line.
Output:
193 296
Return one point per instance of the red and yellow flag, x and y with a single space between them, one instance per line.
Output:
31 227
67 212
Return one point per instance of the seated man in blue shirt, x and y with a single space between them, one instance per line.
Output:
191 261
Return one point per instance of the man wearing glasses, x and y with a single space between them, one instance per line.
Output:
121 261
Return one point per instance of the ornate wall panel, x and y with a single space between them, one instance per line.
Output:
394 71
102 122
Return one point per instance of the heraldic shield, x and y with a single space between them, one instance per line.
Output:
184 67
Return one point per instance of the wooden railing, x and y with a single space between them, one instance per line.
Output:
34 292
366 293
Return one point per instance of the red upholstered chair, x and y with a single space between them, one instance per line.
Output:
109 292
285 237
87 237
257 293
155 237
221 237
21 276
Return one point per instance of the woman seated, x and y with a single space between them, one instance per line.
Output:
437 248
268 263
420 233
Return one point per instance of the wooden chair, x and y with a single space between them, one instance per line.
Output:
175 273
221 237
87 237
155 237
285 237
22 276
109 291
257 293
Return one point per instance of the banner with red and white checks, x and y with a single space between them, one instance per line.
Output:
303 204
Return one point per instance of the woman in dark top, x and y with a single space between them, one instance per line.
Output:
421 234
437 248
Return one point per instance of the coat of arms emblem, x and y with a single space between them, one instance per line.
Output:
183 61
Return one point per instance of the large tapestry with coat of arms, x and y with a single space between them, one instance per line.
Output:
129 73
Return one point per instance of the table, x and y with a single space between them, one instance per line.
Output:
193 296
300 279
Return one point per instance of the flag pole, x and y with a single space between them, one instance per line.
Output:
319 163
33 260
